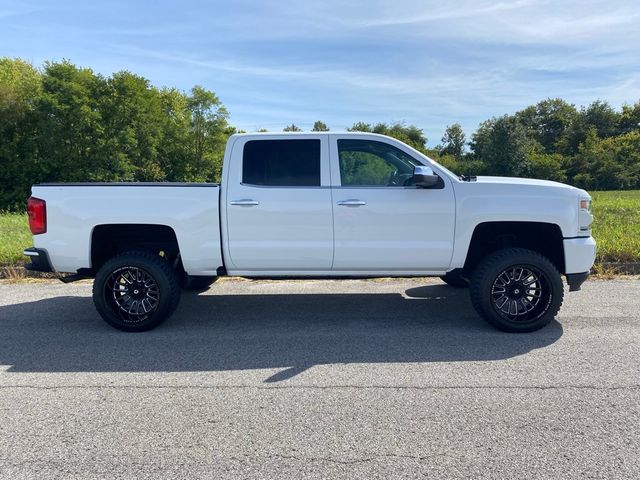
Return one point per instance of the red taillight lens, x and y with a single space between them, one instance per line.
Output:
37 211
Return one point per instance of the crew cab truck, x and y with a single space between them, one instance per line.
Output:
318 205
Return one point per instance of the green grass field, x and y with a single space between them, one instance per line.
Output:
616 225
14 237
616 229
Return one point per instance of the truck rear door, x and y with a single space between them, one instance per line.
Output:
278 204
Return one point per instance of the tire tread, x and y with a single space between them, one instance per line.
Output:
157 261
475 291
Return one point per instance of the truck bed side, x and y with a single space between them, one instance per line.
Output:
75 210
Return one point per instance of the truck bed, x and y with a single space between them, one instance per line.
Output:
75 209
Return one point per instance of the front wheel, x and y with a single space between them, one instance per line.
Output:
135 291
516 290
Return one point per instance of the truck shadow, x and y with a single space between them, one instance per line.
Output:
434 323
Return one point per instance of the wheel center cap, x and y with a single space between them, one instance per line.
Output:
137 291
516 292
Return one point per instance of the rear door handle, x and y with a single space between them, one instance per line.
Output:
352 202
245 202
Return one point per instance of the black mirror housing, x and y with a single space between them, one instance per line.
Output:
424 177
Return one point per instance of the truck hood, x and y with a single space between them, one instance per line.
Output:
523 181
531 183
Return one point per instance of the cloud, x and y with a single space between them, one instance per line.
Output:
431 63
440 13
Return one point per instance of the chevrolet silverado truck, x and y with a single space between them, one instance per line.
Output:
317 205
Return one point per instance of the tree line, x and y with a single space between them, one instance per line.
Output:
63 123
595 147
66 123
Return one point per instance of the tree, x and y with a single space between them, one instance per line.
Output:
65 123
409 134
626 151
550 166
132 130
453 141
208 125
292 128
502 145
598 116
320 127
359 127
548 122
601 116
20 87
70 122
630 118
174 149
608 164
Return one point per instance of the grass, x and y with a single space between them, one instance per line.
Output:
14 237
616 226
616 229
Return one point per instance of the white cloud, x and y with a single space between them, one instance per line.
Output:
519 21
437 13
431 63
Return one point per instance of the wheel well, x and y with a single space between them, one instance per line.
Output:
544 238
109 240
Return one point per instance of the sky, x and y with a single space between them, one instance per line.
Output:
427 63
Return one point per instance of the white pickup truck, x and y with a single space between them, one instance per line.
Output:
318 205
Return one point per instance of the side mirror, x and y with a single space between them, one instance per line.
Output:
424 177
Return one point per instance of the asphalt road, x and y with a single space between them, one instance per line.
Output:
312 379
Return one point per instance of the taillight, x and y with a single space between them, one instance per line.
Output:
37 211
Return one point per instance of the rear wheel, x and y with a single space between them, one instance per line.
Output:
455 279
135 291
517 290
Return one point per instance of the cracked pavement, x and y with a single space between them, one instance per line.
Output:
319 379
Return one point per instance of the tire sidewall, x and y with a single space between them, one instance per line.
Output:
483 281
154 268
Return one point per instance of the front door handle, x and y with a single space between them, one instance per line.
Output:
245 202
352 202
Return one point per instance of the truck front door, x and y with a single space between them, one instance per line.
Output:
381 222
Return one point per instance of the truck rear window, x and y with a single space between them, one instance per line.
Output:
281 163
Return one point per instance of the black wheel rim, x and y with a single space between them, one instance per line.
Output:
132 293
521 294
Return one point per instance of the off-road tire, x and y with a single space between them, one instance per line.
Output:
486 290
150 277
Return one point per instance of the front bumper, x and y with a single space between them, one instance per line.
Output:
579 254
39 260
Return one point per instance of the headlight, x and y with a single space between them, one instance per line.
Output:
585 204
585 218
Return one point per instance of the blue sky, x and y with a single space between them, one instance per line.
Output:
422 62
